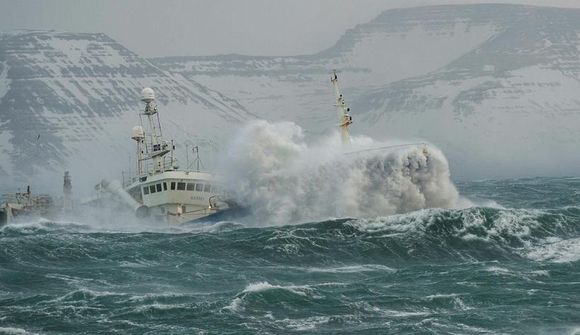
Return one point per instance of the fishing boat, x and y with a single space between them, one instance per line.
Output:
159 188
24 205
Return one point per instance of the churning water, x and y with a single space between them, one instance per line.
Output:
335 245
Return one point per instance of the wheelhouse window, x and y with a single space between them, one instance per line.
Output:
164 186
207 188
152 189
190 186
199 187
158 187
173 186
146 190
181 186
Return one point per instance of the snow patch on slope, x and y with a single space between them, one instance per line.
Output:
415 51
524 122
4 80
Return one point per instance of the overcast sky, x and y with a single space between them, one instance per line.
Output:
194 27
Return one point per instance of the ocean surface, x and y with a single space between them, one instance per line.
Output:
510 264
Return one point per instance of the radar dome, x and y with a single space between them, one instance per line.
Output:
137 133
148 94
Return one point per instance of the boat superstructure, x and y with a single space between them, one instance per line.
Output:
345 120
24 204
159 187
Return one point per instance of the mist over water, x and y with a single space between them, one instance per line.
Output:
272 170
440 270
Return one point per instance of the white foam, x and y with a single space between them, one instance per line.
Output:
564 251
403 314
304 324
153 296
525 275
265 286
514 223
499 270
459 304
397 224
159 307
272 170
83 294
368 308
542 273
454 297
354 269
237 303
441 296
12 330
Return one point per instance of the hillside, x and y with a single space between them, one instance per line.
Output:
493 85
68 101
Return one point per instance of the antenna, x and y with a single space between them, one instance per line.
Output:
138 135
197 159
187 155
344 119
156 148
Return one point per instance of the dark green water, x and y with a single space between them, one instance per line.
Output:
511 265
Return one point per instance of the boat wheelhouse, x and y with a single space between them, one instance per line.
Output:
160 188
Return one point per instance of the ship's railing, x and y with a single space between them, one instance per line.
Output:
149 168
130 180
25 198
153 148
165 166
18 198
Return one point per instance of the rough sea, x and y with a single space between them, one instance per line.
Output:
367 238
510 265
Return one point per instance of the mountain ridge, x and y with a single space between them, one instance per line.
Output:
68 93
439 49
455 75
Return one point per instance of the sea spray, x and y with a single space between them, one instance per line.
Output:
462 271
282 179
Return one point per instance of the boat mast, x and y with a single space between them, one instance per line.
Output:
344 119
139 136
156 149
197 161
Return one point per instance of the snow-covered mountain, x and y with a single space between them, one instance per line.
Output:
398 44
508 107
493 85
69 101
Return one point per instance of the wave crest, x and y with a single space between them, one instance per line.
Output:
283 180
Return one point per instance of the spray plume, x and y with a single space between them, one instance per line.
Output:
270 169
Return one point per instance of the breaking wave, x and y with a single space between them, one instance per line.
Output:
376 244
438 270
425 271
271 170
